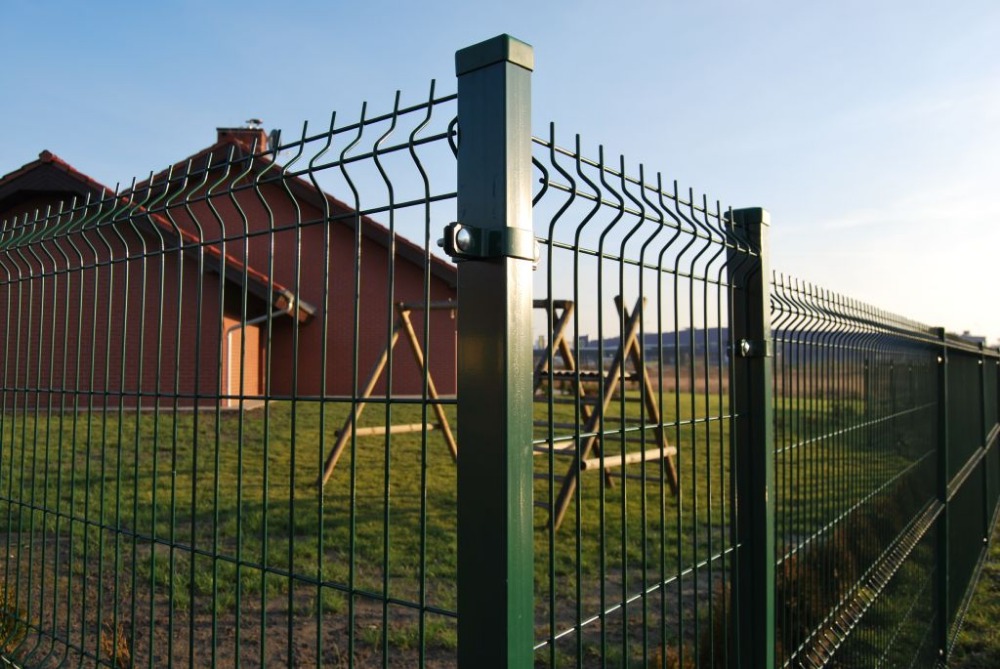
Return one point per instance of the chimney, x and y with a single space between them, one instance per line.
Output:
252 135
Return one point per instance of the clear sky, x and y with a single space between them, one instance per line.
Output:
870 129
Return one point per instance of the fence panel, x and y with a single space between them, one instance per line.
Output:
856 451
633 462
188 476
973 434
229 398
965 419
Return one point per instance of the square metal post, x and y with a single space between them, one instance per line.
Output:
495 535
994 369
984 436
752 440
943 567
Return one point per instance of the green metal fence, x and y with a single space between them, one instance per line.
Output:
179 360
252 415
885 470
634 462
855 459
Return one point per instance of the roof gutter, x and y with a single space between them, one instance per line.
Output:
288 303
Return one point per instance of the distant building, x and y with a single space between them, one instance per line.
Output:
703 345
973 339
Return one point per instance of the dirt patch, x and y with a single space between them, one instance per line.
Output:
108 616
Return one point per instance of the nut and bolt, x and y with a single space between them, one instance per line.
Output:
463 240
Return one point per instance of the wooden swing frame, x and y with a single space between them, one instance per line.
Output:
589 456
403 326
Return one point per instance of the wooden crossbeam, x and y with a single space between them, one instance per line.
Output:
627 459
380 430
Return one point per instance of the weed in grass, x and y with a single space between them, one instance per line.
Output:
671 659
441 634
331 601
713 650
713 645
371 635
978 643
13 621
336 658
115 645
406 636
373 520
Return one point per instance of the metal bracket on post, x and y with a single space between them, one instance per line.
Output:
756 348
465 242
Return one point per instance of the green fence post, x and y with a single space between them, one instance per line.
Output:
753 441
994 366
984 433
995 370
494 243
943 568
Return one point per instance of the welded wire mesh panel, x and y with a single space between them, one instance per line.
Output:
991 398
896 629
972 472
965 408
632 457
225 400
856 469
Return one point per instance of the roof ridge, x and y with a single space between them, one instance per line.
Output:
47 157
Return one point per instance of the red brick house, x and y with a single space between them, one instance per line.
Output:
154 294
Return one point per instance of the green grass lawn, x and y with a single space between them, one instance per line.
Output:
215 521
173 516
978 642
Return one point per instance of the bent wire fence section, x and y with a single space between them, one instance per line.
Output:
886 474
229 408
633 459
179 358
855 453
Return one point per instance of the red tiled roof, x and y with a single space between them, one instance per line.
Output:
305 189
280 292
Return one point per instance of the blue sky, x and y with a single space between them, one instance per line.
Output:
870 130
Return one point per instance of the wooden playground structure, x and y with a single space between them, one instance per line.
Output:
586 446
595 390
402 326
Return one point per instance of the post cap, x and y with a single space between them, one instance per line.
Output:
750 216
499 49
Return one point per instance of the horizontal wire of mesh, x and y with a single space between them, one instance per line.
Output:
632 457
197 375
856 445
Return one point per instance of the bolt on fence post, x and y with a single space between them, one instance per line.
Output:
495 532
752 440
943 567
